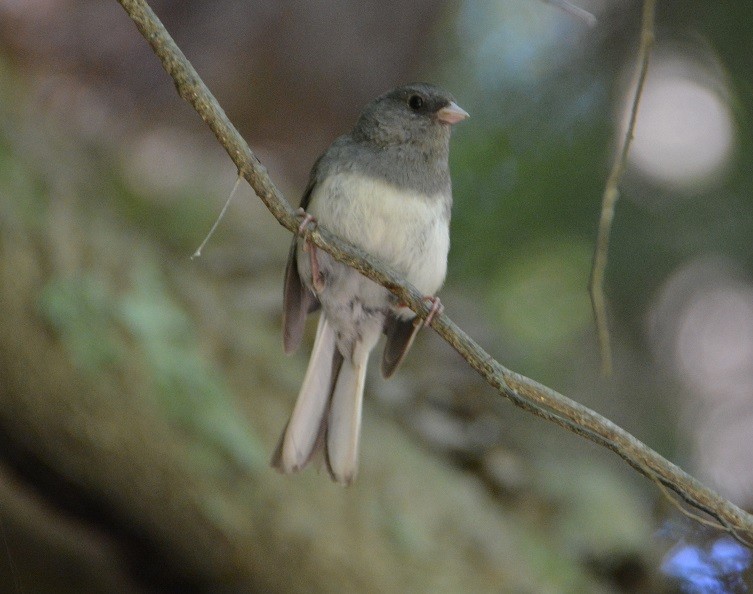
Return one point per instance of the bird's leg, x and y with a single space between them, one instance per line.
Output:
436 309
418 323
303 230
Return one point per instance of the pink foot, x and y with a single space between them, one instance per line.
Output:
307 219
303 230
436 309
418 323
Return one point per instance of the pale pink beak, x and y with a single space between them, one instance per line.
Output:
452 114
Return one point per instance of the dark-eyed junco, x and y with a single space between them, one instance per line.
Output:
385 188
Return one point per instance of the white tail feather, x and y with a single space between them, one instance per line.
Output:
305 422
344 423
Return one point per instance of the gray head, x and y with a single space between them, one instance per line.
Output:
417 114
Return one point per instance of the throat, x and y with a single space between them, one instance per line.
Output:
407 166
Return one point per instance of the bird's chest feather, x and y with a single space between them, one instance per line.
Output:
406 230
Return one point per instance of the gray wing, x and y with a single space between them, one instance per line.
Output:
298 301
400 335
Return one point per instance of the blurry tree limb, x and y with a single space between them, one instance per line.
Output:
575 11
520 390
612 193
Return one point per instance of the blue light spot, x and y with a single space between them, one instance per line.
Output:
709 570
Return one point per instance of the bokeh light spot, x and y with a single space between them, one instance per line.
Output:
684 134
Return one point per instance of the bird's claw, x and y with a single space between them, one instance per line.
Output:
317 282
307 219
436 309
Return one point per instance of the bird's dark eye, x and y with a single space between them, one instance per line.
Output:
415 102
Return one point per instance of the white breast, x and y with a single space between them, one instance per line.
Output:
407 230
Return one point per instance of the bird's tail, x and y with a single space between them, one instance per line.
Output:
328 410
302 436
344 421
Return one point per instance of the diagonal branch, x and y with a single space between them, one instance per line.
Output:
520 390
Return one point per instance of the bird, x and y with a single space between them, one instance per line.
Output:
385 188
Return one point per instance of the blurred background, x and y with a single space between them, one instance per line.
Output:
142 392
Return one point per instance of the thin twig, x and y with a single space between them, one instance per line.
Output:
197 253
520 390
612 194
574 10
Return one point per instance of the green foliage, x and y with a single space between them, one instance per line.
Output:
80 312
105 329
538 295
